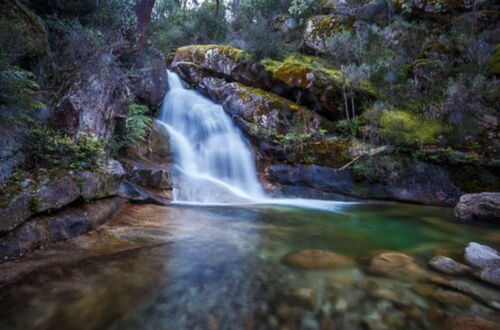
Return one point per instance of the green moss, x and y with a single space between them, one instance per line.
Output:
293 70
197 53
403 129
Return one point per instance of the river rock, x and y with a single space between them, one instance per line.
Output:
490 275
477 291
394 264
449 266
465 322
317 259
479 207
481 256
159 142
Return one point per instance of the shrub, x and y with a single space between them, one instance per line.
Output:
133 130
49 148
404 130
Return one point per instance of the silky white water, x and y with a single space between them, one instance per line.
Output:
215 162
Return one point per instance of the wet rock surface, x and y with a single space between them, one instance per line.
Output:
479 207
449 266
394 264
481 256
415 186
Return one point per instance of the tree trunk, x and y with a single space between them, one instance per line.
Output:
143 10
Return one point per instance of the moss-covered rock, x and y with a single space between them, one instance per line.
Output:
49 191
301 78
32 27
320 28
281 129
432 6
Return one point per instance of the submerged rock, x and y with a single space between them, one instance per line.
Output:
479 207
464 322
490 275
481 256
394 264
317 259
449 266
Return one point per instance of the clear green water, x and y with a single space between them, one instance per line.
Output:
221 269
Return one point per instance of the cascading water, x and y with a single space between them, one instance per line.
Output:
214 162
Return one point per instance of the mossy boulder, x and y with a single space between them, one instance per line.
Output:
282 130
320 28
32 27
300 78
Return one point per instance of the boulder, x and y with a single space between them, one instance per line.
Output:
449 266
466 322
65 224
52 191
298 77
148 77
420 182
32 27
317 259
92 103
479 207
394 264
481 256
490 275
320 28
255 109
159 142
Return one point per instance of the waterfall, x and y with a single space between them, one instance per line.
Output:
214 162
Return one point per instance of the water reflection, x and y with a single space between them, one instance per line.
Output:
220 268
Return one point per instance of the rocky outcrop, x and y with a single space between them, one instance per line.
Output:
298 77
321 28
148 78
421 183
32 27
65 224
93 103
479 207
48 192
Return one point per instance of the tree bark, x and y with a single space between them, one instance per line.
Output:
143 10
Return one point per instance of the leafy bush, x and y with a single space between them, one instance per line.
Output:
404 130
263 40
49 148
133 130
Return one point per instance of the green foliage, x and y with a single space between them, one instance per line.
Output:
49 148
133 130
377 168
404 130
173 26
348 127
305 8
